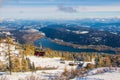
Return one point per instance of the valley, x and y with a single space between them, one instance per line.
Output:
55 50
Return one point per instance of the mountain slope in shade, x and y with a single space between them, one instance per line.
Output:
82 35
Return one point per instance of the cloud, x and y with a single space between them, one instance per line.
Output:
67 9
98 8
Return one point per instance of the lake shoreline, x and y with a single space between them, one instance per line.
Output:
63 46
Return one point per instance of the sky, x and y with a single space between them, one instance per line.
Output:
59 9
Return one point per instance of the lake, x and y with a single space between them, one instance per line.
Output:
47 43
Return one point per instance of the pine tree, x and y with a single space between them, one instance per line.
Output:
101 62
24 65
30 49
2 66
15 65
8 55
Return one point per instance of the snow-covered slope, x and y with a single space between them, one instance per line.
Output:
43 74
103 73
49 62
112 74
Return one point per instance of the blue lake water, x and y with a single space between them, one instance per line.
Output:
47 43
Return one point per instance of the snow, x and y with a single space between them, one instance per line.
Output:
84 32
109 75
43 74
80 32
105 73
4 49
68 30
86 63
31 30
85 78
49 62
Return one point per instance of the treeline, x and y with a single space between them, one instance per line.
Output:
18 64
22 63
101 59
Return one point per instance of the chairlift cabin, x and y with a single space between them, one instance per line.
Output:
39 51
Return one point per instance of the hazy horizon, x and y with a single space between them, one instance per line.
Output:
59 9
